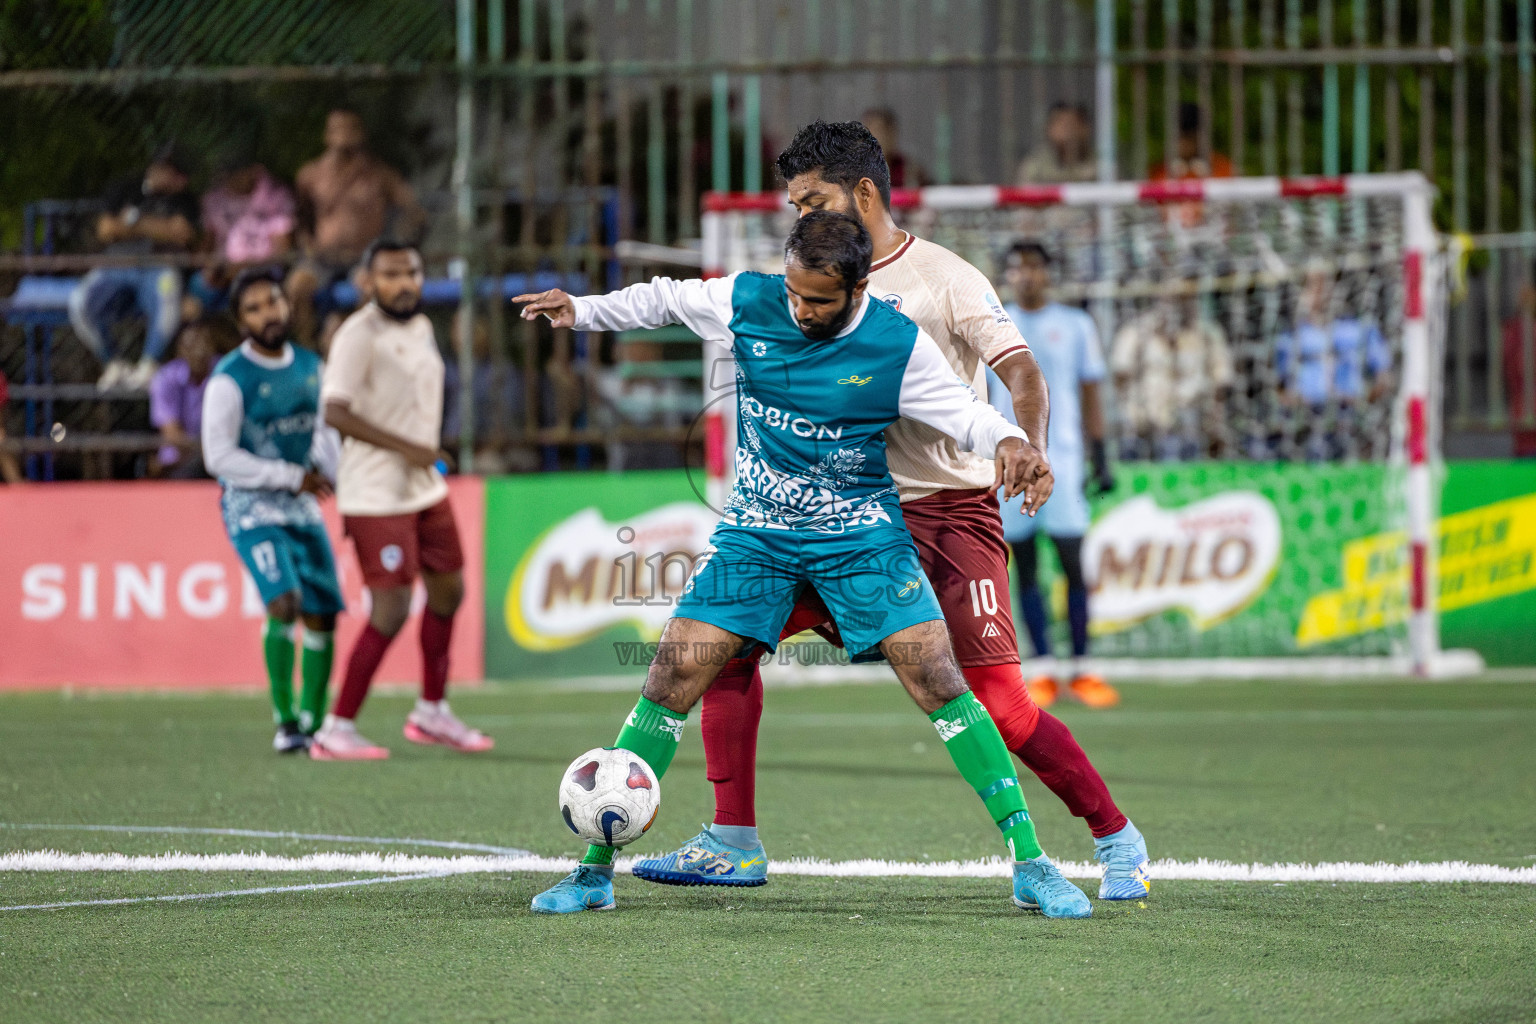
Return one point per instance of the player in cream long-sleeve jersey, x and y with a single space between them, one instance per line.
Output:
948 505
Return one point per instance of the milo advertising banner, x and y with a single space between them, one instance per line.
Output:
1185 560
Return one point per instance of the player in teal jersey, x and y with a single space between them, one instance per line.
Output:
264 439
821 372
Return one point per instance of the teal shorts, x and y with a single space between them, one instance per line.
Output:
870 579
296 556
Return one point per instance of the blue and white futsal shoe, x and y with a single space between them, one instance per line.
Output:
1039 885
705 860
589 887
1124 856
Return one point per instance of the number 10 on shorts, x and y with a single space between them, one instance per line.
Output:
983 598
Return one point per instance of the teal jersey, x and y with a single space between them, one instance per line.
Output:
810 453
259 431
282 406
811 415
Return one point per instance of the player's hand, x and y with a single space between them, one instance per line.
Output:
316 484
1024 469
555 304
422 457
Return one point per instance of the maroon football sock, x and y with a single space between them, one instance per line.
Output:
361 666
733 706
1054 755
436 636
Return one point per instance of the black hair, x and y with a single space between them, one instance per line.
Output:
844 152
1029 247
1190 117
831 243
250 276
382 245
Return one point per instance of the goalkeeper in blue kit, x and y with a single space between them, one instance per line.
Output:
821 372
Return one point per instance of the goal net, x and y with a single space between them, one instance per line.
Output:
1271 404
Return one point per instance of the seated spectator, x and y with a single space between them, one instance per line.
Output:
1173 372
1518 371
498 396
905 172
176 403
249 218
10 467
347 197
1330 365
153 215
1187 162
1068 151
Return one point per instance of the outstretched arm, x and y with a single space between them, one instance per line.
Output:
703 306
932 394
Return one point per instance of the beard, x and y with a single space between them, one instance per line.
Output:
831 328
401 309
271 336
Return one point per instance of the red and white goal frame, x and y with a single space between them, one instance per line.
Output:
724 251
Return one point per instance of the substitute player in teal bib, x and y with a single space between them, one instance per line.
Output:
264 439
821 372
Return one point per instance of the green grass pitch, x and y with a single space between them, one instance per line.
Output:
1270 772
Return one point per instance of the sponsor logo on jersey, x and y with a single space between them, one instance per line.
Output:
996 309
909 588
991 630
893 300
391 557
856 380
759 349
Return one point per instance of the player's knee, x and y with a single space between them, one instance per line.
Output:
390 610
284 608
320 623
445 594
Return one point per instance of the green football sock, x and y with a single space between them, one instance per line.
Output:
973 742
277 645
315 668
653 732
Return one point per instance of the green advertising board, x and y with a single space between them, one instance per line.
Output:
1185 560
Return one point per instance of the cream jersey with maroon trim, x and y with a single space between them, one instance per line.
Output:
955 304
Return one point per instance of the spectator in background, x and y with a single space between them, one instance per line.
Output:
1068 151
347 197
10 468
498 397
1173 371
154 215
1518 372
249 217
1187 162
176 403
882 124
1330 366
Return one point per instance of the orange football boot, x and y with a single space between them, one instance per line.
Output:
1093 691
1042 690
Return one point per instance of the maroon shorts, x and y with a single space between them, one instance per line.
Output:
959 536
393 550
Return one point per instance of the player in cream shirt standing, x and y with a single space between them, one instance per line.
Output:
383 392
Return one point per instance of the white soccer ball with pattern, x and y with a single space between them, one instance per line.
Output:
609 796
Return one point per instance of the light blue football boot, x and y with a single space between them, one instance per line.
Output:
589 887
1039 885
1124 856
706 860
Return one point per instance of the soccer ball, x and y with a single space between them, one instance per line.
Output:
609 796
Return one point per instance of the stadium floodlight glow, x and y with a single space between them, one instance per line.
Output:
1243 250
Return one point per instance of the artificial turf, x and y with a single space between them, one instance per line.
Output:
1242 772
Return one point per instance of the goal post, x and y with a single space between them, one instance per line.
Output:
1272 344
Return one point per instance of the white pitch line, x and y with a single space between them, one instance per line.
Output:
1203 870
436 844
183 897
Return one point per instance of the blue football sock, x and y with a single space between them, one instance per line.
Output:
1077 618
743 837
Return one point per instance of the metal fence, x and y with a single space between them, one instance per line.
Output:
494 106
